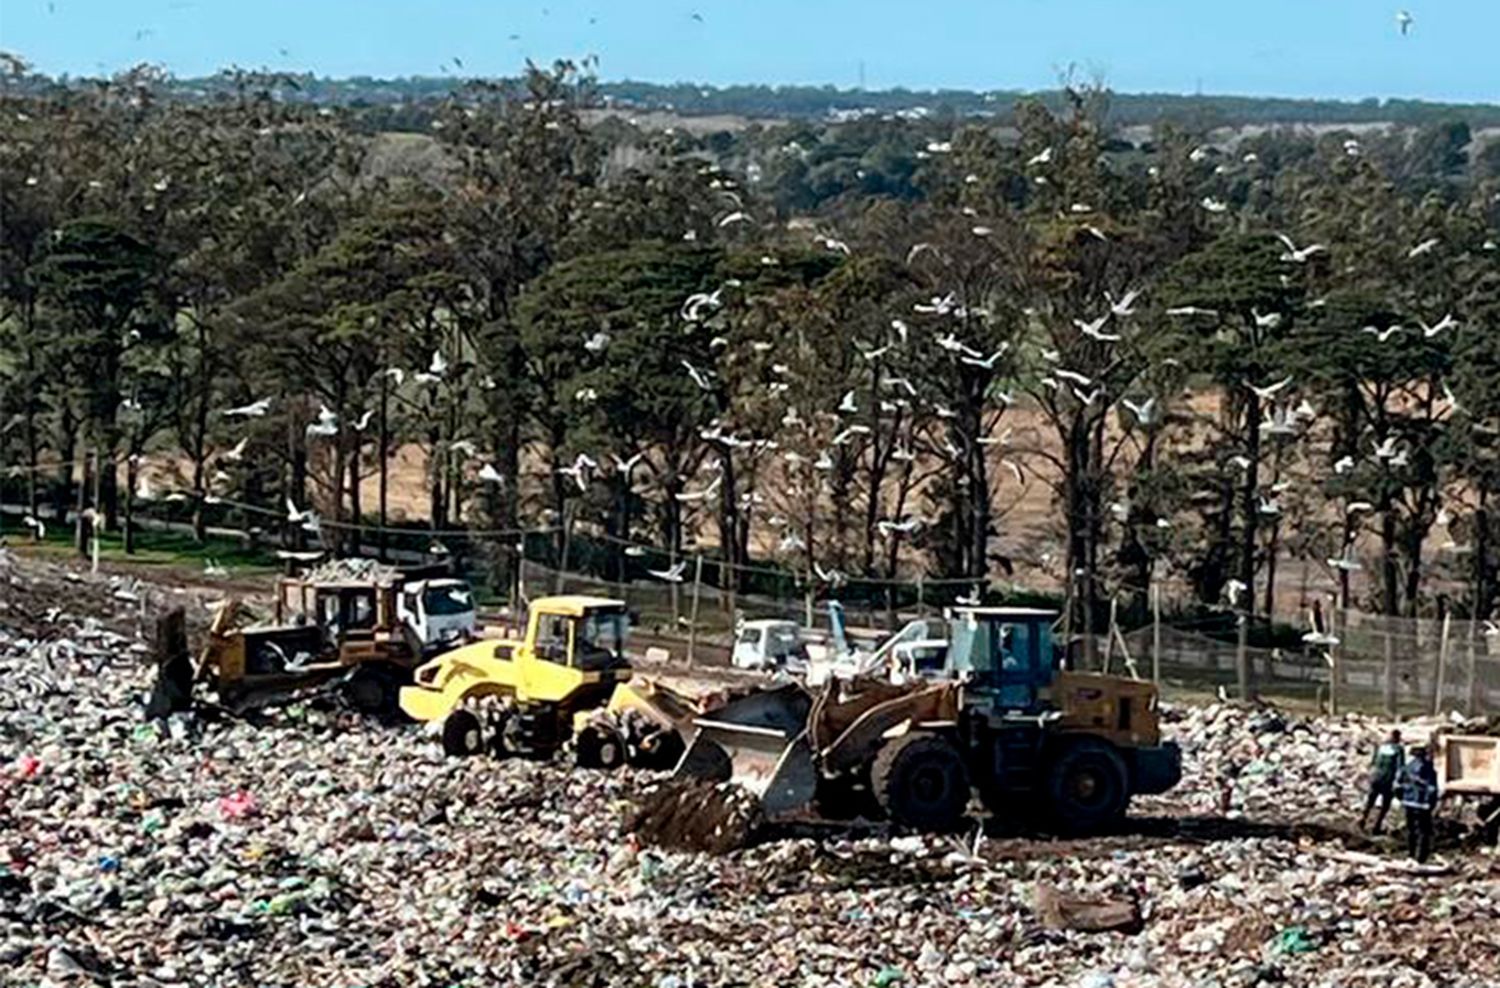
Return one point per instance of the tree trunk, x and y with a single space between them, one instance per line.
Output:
436 467
297 483
559 507
1483 605
509 468
1250 516
353 546
729 521
1389 578
33 454
384 470
81 526
68 444
127 525
1249 503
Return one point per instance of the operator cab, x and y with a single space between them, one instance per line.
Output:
1006 651
589 635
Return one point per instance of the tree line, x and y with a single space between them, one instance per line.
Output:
845 349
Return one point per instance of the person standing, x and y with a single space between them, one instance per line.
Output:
1384 768
1419 792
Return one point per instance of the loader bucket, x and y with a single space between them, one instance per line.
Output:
758 742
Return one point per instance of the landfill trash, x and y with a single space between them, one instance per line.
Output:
694 815
118 867
1061 911
237 805
1294 940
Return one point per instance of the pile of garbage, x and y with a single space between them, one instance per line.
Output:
308 846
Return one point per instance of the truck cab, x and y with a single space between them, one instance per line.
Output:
439 613
769 644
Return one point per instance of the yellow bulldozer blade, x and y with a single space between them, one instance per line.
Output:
758 742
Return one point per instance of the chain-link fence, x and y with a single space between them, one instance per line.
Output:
1378 663
690 604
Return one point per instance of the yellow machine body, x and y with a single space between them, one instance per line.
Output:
558 661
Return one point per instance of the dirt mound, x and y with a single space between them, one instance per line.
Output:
695 815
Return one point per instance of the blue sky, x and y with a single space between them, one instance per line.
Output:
1337 48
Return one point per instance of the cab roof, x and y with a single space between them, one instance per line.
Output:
1019 613
576 605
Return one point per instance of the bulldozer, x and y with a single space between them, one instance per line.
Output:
566 678
1051 747
353 623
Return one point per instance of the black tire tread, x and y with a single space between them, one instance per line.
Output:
889 759
457 724
1062 819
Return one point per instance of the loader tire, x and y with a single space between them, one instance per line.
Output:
601 748
660 751
1088 788
372 691
920 781
462 735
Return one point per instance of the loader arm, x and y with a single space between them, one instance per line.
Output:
480 669
869 722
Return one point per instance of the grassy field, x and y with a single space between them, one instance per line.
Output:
154 549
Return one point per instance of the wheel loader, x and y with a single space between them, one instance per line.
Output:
566 678
1061 749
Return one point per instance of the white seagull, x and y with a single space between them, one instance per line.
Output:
1425 247
1144 412
1095 329
700 378
1382 335
1125 305
1447 322
1269 391
986 363
254 410
326 425
673 574
1298 255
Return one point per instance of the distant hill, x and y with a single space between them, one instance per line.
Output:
822 102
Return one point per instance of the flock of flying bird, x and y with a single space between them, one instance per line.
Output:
698 309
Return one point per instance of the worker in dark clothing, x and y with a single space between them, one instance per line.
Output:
1419 792
1384 768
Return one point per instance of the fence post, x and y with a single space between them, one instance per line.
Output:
672 589
1390 666
1471 700
1335 630
921 598
1156 634
1242 655
1109 636
1442 663
1070 601
693 622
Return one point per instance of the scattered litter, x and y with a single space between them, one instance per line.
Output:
305 845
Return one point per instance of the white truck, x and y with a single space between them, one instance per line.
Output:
438 612
433 611
769 644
